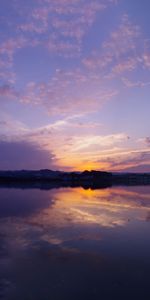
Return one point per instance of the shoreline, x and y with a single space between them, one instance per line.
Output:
47 179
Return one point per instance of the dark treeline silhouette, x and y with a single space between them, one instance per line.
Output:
48 179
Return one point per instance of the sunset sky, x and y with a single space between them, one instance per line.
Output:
75 85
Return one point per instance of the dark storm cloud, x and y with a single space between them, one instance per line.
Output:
24 155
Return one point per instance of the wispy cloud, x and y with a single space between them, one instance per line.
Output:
83 151
64 23
90 142
121 42
68 92
131 84
7 91
11 45
125 51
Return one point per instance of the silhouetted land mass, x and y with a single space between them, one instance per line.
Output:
48 179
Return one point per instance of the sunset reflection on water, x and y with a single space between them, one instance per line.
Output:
105 207
105 228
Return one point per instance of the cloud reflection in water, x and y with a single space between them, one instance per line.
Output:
65 234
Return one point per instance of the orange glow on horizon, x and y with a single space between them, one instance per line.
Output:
78 164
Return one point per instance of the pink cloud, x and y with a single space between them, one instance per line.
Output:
147 140
118 53
125 51
68 92
31 27
8 49
130 84
11 45
66 49
127 65
77 27
50 16
7 91
123 41
146 59
129 160
8 76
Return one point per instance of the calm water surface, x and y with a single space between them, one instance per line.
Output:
75 244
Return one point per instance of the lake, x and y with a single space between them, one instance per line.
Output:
73 243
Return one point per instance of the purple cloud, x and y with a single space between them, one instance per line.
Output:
17 155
